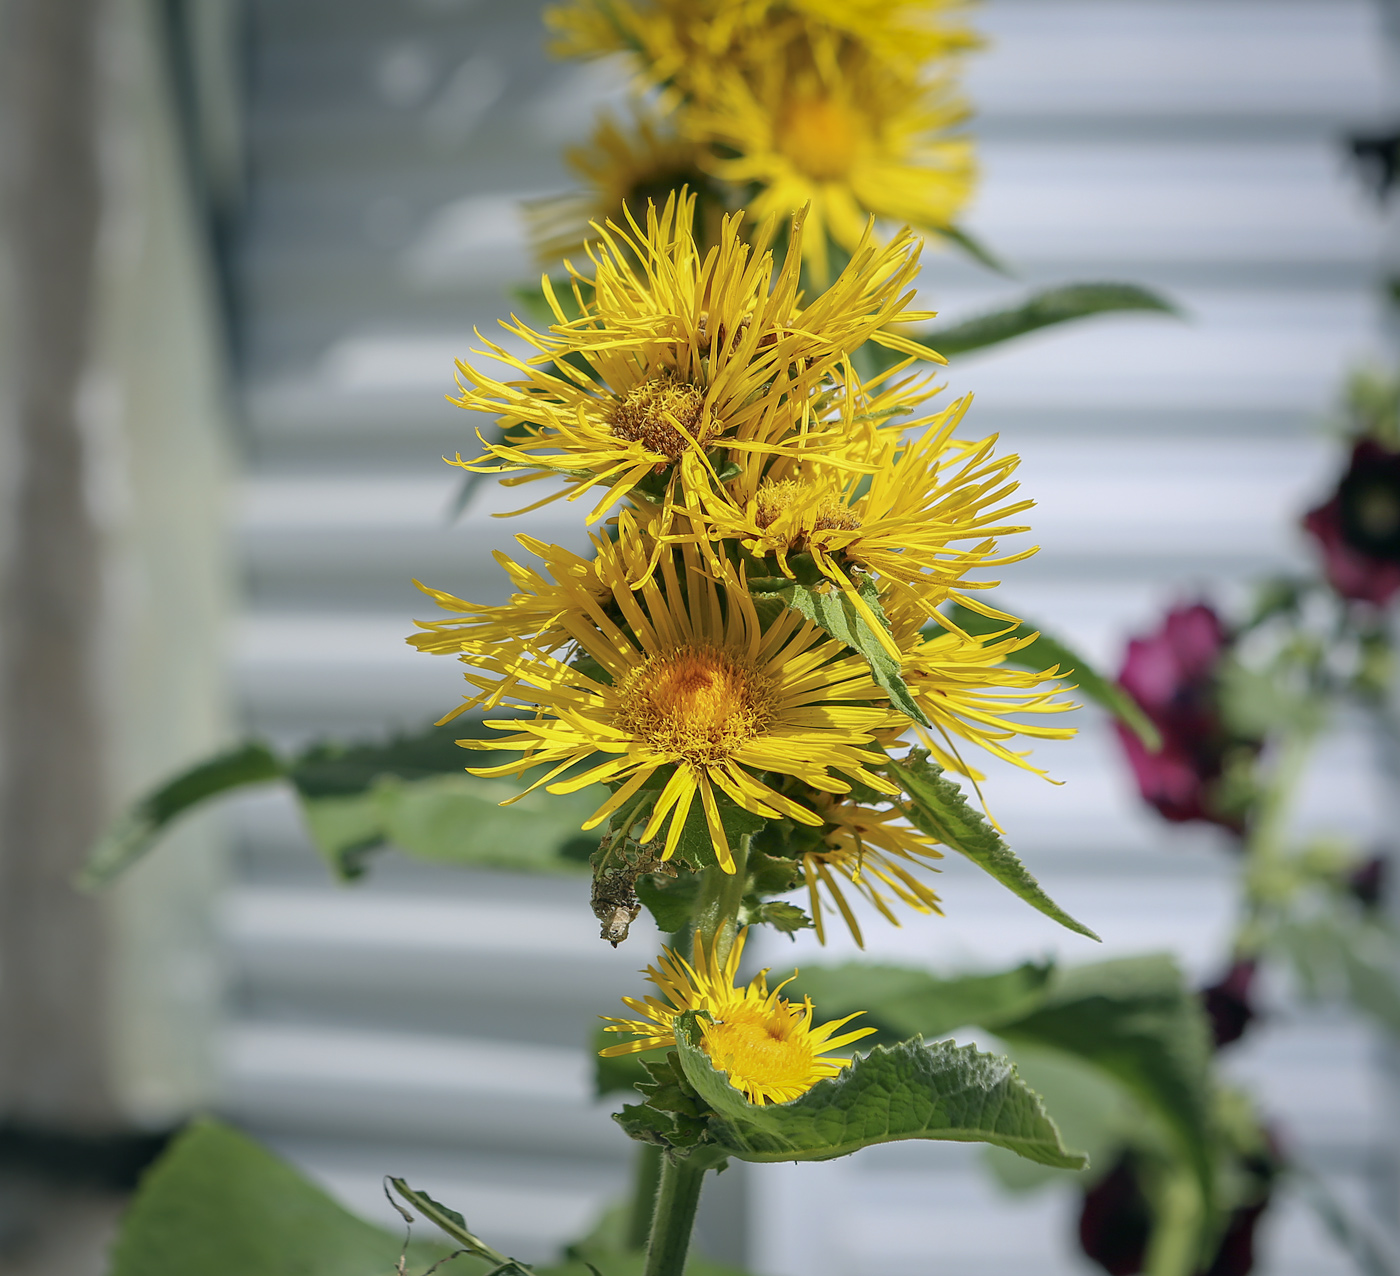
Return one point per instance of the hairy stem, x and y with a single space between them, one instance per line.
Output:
721 895
676 1201
645 1182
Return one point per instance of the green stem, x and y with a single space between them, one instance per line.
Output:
1267 842
676 1201
646 1180
721 896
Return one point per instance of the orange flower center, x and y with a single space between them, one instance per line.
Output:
820 136
697 703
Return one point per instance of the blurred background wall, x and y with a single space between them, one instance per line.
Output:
243 242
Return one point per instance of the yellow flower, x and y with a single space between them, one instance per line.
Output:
874 851
967 691
684 43
676 355
677 683
767 1046
897 518
846 136
620 169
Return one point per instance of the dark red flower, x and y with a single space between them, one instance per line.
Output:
1116 1221
1367 883
1227 1006
1358 530
1172 675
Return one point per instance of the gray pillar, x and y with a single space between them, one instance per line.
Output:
53 1069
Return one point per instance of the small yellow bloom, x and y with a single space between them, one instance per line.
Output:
766 1045
620 170
678 679
874 851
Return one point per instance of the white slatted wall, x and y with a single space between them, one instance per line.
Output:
1188 145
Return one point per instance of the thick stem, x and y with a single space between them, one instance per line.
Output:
645 1183
721 895
676 1201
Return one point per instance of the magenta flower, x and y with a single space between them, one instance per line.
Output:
1358 530
1172 675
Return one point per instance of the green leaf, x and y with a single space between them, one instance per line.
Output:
620 1073
670 900
785 918
1136 1019
1044 309
218 1204
333 769
1342 957
903 1003
1046 652
833 611
450 819
939 809
451 1222
140 826
909 1091
976 249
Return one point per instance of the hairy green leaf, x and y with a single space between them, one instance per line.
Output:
218 1204
1046 652
834 612
909 1091
140 826
938 808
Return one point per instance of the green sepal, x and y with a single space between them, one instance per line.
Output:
140 826
913 1090
619 1073
218 1204
1046 652
832 610
786 919
939 808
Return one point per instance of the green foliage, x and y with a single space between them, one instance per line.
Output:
1133 1020
451 819
1045 309
1046 652
833 611
909 1091
140 826
785 918
901 1003
218 1204
938 808
619 1074
1345 957
1136 1020
411 791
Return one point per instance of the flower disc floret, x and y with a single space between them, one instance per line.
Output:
700 704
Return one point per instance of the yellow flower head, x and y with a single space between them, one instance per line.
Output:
968 692
876 853
677 359
906 516
678 686
620 170
683 44
846 136
766 1045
